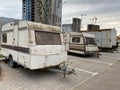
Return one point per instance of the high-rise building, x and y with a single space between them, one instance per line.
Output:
93 27
44 11
76 25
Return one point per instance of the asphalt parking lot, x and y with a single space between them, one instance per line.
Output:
86 67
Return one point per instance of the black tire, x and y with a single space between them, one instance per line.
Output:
12 64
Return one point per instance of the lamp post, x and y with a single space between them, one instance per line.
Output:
61 13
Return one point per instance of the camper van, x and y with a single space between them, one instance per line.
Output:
80 43
32 45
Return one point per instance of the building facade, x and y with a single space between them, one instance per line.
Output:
93 27
44 11
67 27
76 27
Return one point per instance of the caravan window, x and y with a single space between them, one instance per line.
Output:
4 38
76 39
90 41
47 38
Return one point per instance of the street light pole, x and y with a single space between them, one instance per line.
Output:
63 3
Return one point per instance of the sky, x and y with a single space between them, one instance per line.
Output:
107 12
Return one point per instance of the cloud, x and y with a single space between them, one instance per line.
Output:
92 2
94 6
11 8
107 11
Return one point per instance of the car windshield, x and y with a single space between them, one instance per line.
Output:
47 38
90 40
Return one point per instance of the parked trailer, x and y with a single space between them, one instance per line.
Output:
32 45
105 38
80 43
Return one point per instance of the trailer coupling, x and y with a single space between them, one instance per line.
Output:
64 69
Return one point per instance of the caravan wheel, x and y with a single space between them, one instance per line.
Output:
12 64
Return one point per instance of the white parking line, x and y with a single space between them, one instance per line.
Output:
73 88
82 70
97 61
110 53
111 57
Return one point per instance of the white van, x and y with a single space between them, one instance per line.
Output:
80 43
32 45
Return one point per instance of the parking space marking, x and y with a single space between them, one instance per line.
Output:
111 57
82 70
110 53
73 88
90 60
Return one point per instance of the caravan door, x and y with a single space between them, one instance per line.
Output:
15 36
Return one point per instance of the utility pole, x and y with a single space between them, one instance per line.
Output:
63 3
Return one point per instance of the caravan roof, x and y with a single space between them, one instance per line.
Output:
31 26
81 33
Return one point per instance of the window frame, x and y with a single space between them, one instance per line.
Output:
88 42
75 37
4 37
39 43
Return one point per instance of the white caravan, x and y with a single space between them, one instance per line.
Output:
80 43
32 45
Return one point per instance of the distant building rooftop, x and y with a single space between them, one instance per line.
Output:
97 30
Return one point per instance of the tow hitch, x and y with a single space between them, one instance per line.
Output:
64 69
